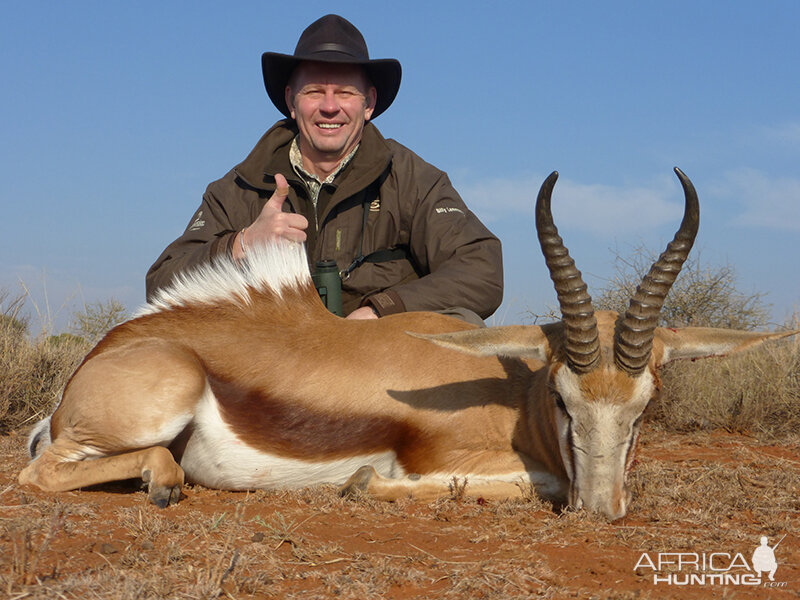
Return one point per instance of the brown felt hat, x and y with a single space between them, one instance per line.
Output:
331 39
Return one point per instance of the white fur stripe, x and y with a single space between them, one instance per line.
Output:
275 266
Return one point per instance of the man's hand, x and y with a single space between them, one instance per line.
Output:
273 223
365 312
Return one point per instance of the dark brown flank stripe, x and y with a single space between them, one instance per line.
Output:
290 430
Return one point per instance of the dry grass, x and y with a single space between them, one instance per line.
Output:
757 392
312 544
33 373
34 369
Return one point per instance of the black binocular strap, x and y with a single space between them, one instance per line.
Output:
378 256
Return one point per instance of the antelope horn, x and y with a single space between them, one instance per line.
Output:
582 342
633 341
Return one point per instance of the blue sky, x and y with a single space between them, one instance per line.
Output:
115 117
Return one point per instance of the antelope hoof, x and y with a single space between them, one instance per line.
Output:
164 496
358 482
161 495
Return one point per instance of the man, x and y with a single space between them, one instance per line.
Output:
764 558
400 234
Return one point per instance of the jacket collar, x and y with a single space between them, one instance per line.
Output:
271 156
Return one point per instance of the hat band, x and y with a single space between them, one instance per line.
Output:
334 47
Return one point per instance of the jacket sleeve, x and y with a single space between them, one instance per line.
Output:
462 259
211 232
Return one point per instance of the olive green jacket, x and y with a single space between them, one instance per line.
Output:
451 259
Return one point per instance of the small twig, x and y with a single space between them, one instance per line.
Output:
113 568
449 562
56 523
399 556
227 572
744 478
776 458
487 584
384 541
708 472
319 564
222 554
291 531
504 578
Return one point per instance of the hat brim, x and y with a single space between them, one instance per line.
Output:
384 73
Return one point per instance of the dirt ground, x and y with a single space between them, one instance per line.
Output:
695 494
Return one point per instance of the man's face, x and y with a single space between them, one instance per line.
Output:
331 103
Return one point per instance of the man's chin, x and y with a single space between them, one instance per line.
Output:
331 150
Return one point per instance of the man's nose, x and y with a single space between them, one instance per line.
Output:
329 102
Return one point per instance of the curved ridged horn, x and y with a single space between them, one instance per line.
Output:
582 343
634 338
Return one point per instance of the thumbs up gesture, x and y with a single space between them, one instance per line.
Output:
273 223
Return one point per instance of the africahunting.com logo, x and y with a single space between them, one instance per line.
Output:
713 568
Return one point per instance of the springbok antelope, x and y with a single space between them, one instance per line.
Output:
238 374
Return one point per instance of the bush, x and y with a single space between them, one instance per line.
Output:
702 296
34 372
11 318
97 318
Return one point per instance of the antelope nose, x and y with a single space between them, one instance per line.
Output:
612 508
618 506
617 513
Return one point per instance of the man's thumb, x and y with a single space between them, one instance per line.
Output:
281 191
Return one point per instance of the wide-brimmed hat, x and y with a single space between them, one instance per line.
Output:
331 39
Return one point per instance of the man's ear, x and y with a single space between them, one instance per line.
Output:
289 98
371 99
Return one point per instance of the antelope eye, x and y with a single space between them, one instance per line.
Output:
560 403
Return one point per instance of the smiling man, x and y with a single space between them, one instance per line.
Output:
330 103
400 234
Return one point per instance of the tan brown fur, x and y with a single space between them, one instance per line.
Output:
608 385
293 381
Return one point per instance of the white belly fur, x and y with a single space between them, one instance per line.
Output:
217 458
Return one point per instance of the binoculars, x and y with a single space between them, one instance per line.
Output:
329 285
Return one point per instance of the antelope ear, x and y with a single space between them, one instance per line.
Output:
515 341
704 342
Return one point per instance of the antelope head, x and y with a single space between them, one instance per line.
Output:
600 369
606 373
